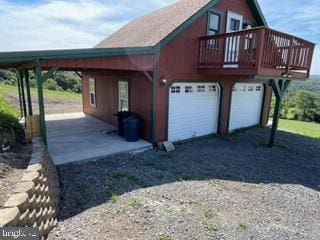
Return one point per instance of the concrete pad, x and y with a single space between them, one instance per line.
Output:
78 137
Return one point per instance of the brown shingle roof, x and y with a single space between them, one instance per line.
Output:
149 30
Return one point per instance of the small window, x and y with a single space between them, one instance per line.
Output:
235 24
250 88
175 89
92 92
201 88
244 88
188 89
212 88
123 96
214 24
258 88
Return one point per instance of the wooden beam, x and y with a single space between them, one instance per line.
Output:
38 75
79 74
148 75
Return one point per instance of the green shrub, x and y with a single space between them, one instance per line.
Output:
51 84
10 129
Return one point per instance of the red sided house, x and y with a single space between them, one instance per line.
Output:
194 68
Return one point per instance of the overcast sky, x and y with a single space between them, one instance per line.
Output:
48 24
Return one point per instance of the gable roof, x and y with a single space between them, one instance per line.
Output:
152 29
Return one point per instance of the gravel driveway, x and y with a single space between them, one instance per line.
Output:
235 188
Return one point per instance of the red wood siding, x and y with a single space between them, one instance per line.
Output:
239 6
179 62
134 63
107 98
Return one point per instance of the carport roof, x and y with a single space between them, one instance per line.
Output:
17 59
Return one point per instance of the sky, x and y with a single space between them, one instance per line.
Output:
59 24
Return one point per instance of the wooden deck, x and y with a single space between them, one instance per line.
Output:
259 52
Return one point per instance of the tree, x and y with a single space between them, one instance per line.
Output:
306 106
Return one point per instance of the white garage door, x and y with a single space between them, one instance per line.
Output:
193 110
246 105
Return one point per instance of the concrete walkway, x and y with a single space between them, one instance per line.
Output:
77 137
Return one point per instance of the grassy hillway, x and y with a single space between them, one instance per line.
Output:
55 101
309 129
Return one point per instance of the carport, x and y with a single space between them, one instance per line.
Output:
73 137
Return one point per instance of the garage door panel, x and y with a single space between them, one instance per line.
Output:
193 114
246 105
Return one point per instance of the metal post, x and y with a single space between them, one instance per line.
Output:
26 75
279 87
19 92
23 94
275 122
38 76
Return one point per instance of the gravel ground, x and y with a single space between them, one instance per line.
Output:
235 188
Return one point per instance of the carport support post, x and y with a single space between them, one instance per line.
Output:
24 106
279 87
26 75
38 76
19 92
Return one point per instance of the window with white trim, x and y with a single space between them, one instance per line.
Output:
123 96
188 89
250 88
214 24
175 89
201 88
212 88
92 92
258 88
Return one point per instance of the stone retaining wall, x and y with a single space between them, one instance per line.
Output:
35 201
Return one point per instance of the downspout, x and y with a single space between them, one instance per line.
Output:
156 52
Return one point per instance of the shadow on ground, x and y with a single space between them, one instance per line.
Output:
241 157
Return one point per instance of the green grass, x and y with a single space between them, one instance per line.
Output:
303 128
243 226
114 198
7 108
8 90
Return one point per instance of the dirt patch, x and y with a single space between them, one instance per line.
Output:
51 106
12 165
235 188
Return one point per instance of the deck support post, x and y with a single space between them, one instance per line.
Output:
279 87
27 80
41 78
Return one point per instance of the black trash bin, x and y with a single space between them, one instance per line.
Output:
121 116
132 127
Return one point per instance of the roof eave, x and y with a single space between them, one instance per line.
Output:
27 56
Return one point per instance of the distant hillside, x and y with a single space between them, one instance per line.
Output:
312 86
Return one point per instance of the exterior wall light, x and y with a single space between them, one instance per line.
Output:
163 81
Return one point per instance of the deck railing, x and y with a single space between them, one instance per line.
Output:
256 48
